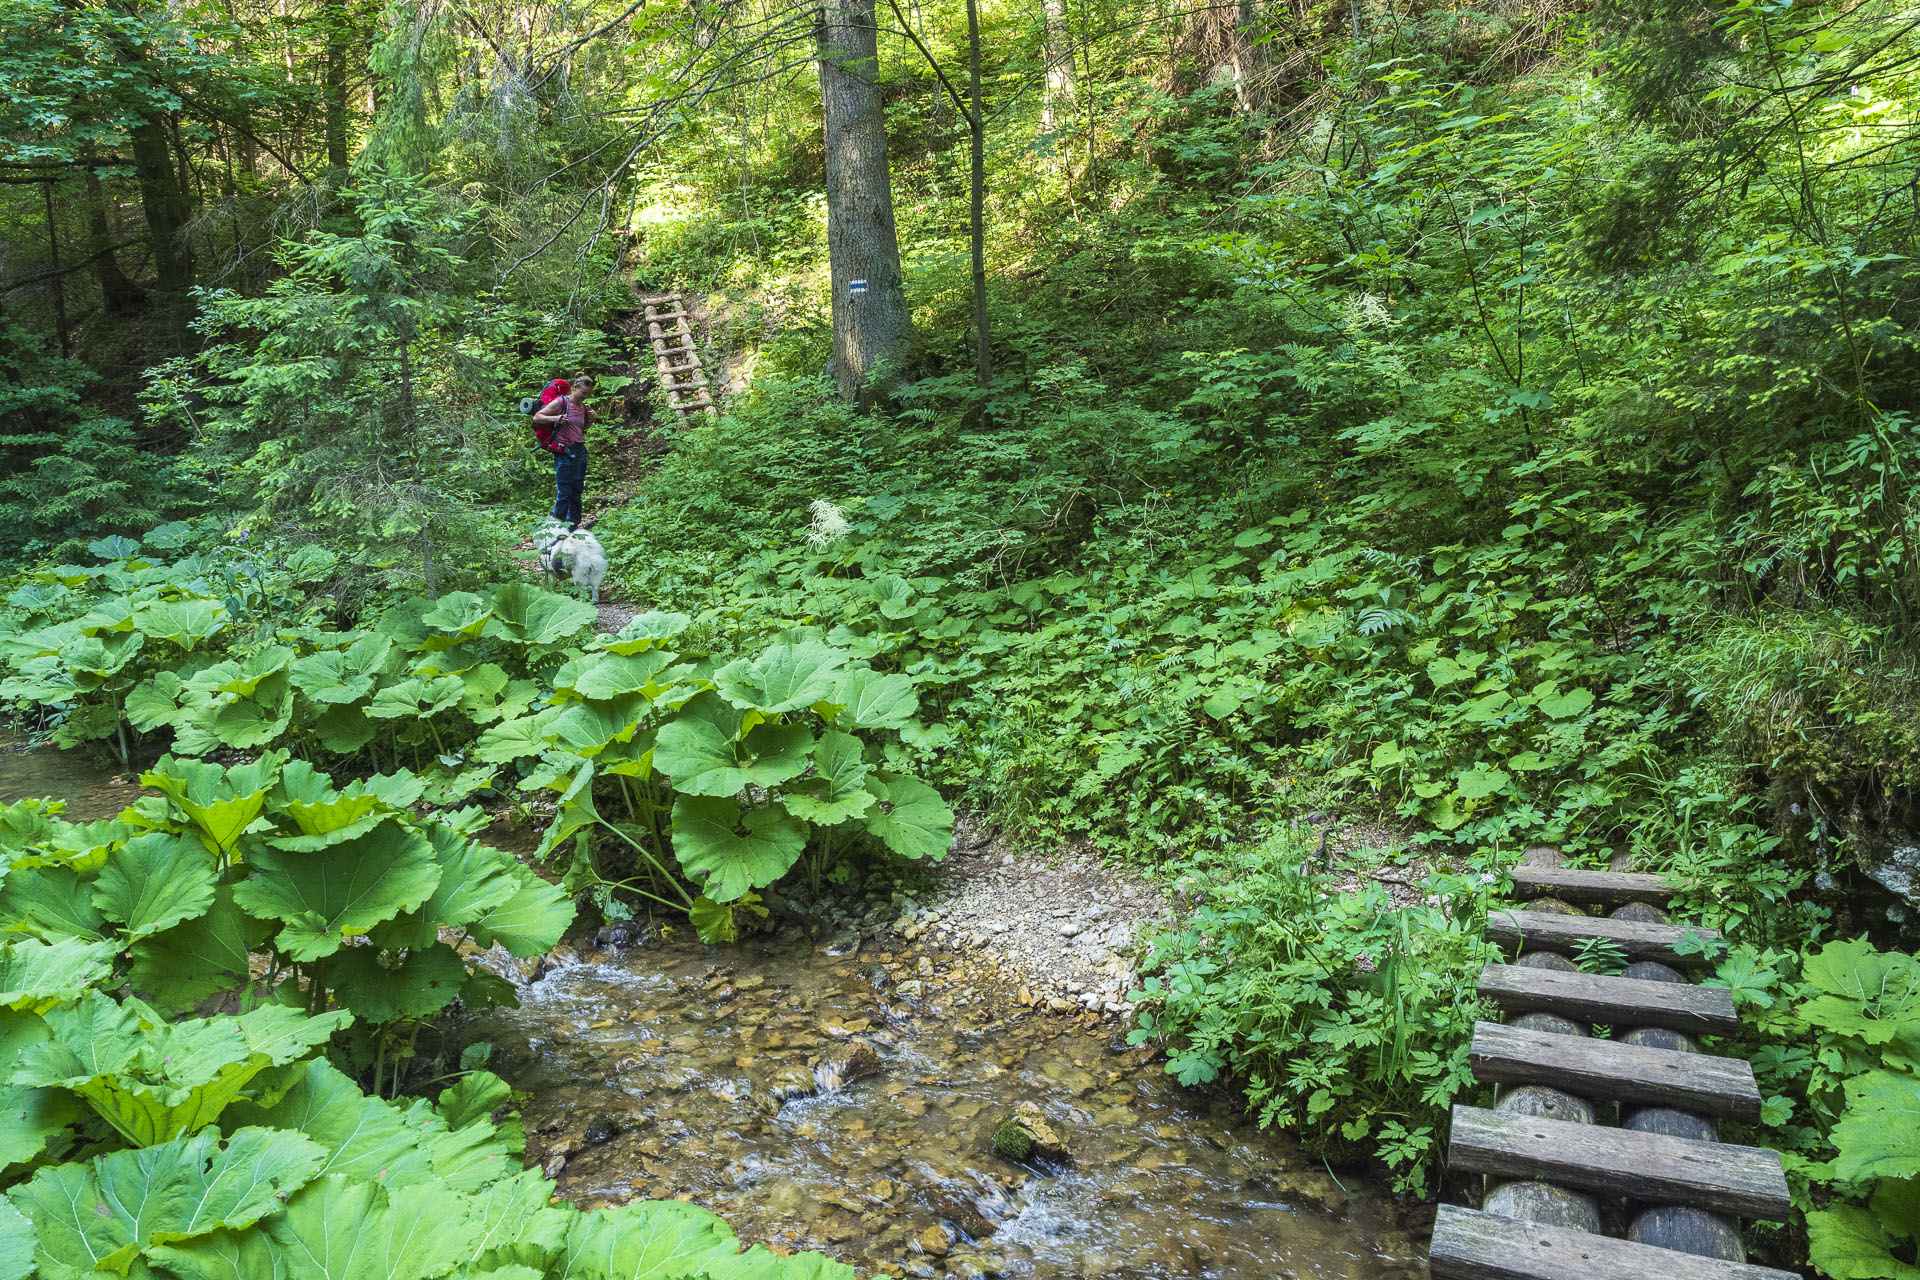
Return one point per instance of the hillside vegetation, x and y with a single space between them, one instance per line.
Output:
1475 427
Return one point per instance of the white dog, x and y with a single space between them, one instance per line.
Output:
573 554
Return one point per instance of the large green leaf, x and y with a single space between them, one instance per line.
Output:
869 700
1865 992
646 631
474 878
650 1239
702 762
1875 1137
191 961
155 703
416 699
602 676
785 677
343 730
529 923
16 1243
734 851
245 677
459 612
340 891
835 791
337 1229
516 739
330 677
184 623
1848 1242
30 1116
52 902
911 819
365 1138
35 976
102 1214
152 1079
527 615
153 882
384 986
220 802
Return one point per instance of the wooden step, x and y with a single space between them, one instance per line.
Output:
1592 1068
1547 932
1470 1245
1602 888
1744 1181
691 373
1613 1002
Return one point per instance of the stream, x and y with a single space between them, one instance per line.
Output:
824 1094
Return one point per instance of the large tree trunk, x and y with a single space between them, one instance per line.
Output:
117 293
871 324
977 127
1058 51
165 206
1247 59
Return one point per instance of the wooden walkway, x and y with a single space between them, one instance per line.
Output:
678 357
1602 1156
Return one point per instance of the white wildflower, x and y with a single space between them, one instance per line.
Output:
829 523
1368 311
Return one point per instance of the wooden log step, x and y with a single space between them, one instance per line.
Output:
1744 1181
1602 888
690 372
1514 929
1590 1068
1470 1245
1613 1002
700 402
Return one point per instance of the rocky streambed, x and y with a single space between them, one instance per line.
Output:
844 1092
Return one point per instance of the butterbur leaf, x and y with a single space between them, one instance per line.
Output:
1848 1243
382 986
460 612
702 762
35 976
155 703
869 700
52 902
646 631
329 677
1875 1136
530 922
414 698
340 891
731 851
184 623
102 1214
152 1079
336 1229
662 1238
474 1096
611 676
835 790
365 1138
515 738
474 878
525 614
16 1243
911 819
193 960
344 730
30 1116
785 677
713 921
154 882
245 677
1871 994
220 802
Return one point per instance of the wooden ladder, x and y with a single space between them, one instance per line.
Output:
1547 1161
678 358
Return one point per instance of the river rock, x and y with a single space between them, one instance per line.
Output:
601 1130
856 1061
934 1241
1027 1134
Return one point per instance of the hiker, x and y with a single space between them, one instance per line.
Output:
569 416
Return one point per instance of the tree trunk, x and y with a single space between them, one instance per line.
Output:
58 283
871 324
977 127
117 293
1247 58
165 207
412 427
1058 51
338 31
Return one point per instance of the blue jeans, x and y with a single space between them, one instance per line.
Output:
569 478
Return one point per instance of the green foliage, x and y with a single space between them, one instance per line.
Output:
226 1145
1336 1009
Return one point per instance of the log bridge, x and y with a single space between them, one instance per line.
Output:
678 358
1580 1051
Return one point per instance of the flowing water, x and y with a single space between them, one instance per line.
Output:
828 1096
679 1070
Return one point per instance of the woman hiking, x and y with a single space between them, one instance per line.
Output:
569 415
